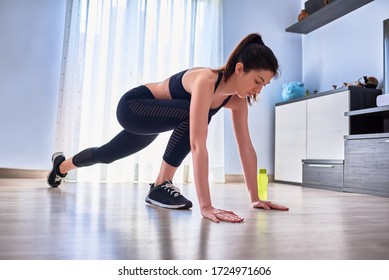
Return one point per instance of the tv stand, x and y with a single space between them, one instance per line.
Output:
366 165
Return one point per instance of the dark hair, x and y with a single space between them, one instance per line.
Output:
254 55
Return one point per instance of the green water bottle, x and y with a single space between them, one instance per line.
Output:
262 184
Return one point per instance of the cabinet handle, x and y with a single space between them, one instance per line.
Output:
321 165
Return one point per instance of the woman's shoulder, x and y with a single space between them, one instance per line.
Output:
202 71
201 74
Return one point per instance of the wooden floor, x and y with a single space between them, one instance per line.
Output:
111 221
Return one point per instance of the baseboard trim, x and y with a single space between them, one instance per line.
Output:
12 173
288 183
239 178
234 178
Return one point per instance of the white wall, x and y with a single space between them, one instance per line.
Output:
346 49
270 18
30 63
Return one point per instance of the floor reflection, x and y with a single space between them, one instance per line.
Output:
112 221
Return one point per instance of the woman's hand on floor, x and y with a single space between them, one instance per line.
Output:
218 215
267 205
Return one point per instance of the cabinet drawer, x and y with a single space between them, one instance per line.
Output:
323 174
367 166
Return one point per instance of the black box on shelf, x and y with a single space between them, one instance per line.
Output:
312 6
363 98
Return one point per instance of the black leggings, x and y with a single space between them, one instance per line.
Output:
143 117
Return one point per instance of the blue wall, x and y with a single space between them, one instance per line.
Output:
346 49
30 63
270 18
31 53
341 51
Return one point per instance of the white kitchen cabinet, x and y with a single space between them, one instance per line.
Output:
327 126
290 141
314 127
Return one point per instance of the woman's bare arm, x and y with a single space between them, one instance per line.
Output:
202 92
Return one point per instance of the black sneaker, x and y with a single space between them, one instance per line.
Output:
167 195
55 177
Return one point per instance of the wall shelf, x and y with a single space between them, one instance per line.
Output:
367 136
383 110
369 122
331 12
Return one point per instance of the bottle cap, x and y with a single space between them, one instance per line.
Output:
262 170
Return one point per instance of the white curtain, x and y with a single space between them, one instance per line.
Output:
112 46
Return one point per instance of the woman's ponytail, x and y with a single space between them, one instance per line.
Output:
254 54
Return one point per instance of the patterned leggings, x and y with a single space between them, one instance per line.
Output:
143 117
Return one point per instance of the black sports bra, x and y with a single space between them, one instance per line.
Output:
177 90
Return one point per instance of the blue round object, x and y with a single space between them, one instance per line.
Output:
293 90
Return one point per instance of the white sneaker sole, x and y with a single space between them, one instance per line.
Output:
52 169
156 203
